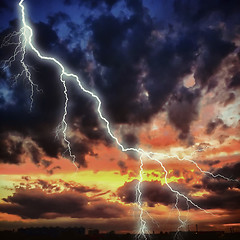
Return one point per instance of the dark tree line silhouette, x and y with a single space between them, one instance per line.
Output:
79 233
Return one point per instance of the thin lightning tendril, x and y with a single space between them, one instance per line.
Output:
20 49
25 36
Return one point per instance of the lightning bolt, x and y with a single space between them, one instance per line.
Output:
20 50
142 223
25 36
183 222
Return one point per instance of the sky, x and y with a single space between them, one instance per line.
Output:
168 76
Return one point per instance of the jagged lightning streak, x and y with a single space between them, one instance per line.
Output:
183 222
142 223
19 50
187 158
25 40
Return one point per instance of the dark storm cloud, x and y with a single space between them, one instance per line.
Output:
183 109
212 125
228 201
209 162
215 49
193 11
119 46
215 43
84 118
122 166
152 193
220 194
58 18
35 154
24 202
230 170
130 140
5 5
10 150
46 163
14 149
235 81
41 122
47 39
134 60
219 185
40 125
81 149
91 3
138 63
230 99
65 204
68 2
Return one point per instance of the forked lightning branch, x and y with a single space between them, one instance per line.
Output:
25 43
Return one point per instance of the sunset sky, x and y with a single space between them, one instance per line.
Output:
168 75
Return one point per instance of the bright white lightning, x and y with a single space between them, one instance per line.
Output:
25 40
183 223
19 50
142 223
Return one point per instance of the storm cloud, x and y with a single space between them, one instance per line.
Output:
152 193
62 204
134 60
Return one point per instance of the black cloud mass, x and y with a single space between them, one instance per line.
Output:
135 60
